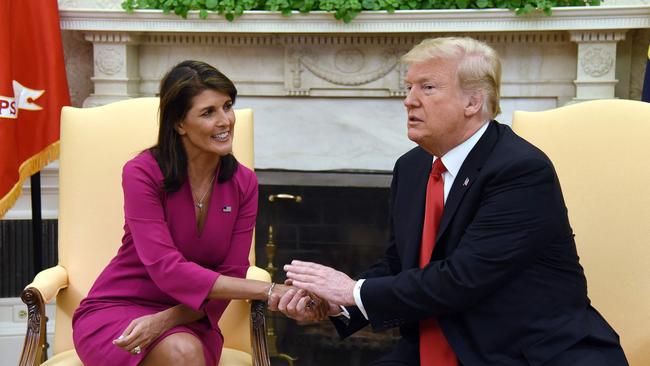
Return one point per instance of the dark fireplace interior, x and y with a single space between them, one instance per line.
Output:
340 224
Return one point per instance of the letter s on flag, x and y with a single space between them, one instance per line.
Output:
24 98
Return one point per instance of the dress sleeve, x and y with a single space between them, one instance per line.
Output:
185 281
236 262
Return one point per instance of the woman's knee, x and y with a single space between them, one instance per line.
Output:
187 347
177 349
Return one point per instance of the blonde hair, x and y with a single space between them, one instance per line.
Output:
479 67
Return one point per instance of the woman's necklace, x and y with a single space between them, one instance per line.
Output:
199 202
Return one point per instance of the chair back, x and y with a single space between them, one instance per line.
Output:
601 152
95 145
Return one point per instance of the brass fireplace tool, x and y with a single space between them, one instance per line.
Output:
270 253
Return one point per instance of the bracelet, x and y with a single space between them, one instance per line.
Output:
268 293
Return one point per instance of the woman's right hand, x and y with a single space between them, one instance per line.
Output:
299 304
141 332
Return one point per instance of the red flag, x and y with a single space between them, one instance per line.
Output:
33 89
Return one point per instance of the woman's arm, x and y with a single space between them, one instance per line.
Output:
178 315
226 287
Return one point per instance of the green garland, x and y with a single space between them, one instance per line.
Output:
344 10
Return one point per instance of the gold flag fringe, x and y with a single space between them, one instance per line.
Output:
28 168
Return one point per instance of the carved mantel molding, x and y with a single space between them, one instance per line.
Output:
315 55
409 21
596 63
306 66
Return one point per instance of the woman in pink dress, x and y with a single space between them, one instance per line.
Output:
189 210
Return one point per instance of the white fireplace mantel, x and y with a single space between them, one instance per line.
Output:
327 95
310 75
620 17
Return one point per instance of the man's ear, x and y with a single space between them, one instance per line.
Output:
474 103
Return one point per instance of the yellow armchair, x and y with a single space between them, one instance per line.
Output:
95 144
601 151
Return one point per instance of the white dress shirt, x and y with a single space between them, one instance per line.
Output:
452 160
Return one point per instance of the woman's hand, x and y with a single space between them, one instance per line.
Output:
141 332
300 305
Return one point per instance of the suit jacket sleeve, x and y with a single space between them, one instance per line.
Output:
388 265
513 222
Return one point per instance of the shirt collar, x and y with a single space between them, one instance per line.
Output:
455 157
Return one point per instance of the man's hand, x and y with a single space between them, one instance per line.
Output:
327 283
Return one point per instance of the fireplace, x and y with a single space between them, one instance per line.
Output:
340 221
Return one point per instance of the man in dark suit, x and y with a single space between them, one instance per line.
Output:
490 278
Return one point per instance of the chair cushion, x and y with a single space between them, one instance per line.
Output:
229 357
233 357
67 358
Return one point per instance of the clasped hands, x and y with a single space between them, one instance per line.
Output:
312 292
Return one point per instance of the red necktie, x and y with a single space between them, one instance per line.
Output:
434 349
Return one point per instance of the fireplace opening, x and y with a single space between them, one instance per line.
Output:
336 219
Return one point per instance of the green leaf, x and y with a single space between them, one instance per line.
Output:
306 6
370 5
345 10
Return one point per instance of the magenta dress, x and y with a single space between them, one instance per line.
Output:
164 261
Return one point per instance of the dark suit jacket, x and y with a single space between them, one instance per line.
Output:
504 278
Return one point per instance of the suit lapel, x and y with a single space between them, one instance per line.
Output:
467 175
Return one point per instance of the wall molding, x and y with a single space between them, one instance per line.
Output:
401 21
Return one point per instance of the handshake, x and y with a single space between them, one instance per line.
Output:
312 292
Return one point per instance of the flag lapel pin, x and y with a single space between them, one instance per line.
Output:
466 182
227 209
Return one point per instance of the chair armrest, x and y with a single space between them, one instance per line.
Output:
49 282
258 323
256 273
43 289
